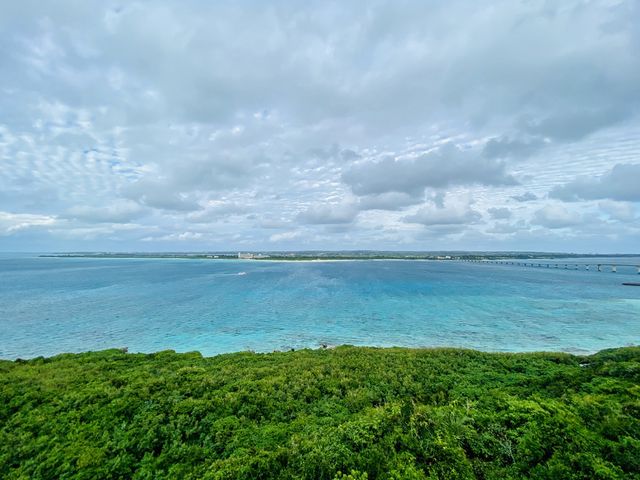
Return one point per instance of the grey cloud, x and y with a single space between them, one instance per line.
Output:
556 216
442 231
622 182
432 215
328 214
177 236
442 168
621 211
276 106
437 198
217 210
171 186
505 228
525 197
330 152
115 212
388 201
500 213
338 228
574 125
210 175
272 223
380 69
160 196
349 155
504 147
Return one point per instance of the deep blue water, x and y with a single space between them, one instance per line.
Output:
54 305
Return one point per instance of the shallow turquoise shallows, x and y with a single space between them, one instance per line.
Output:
54 305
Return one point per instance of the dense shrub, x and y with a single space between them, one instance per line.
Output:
347 413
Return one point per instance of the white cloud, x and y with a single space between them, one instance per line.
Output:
172 237
284 236
451 213
242 122
555 216
11 223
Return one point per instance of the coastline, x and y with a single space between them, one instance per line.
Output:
319 256
576 352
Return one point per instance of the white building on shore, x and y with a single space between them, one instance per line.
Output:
251 256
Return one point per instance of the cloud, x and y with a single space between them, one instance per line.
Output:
504 147
172 237
556 216
160 196
621 211
216 210
388 201
500 213
574 125
449 214
172 185
11 223
620 183
113 232
252 119
270 223
446 166
525 197
119 211
505 228
329 214
284 236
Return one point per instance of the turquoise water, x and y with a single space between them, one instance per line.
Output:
54 305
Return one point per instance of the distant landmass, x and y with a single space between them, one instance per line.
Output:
342 255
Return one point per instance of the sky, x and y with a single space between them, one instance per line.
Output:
320 125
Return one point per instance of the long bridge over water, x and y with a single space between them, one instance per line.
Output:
596 266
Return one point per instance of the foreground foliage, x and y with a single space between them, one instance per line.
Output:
348 413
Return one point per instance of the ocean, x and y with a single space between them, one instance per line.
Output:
54 305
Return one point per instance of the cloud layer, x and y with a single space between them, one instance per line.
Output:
227 126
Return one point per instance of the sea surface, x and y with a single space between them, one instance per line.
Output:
54 305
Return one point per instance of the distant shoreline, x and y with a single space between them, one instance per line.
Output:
577 353
321 346
330 257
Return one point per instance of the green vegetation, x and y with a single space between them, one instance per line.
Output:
348 413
